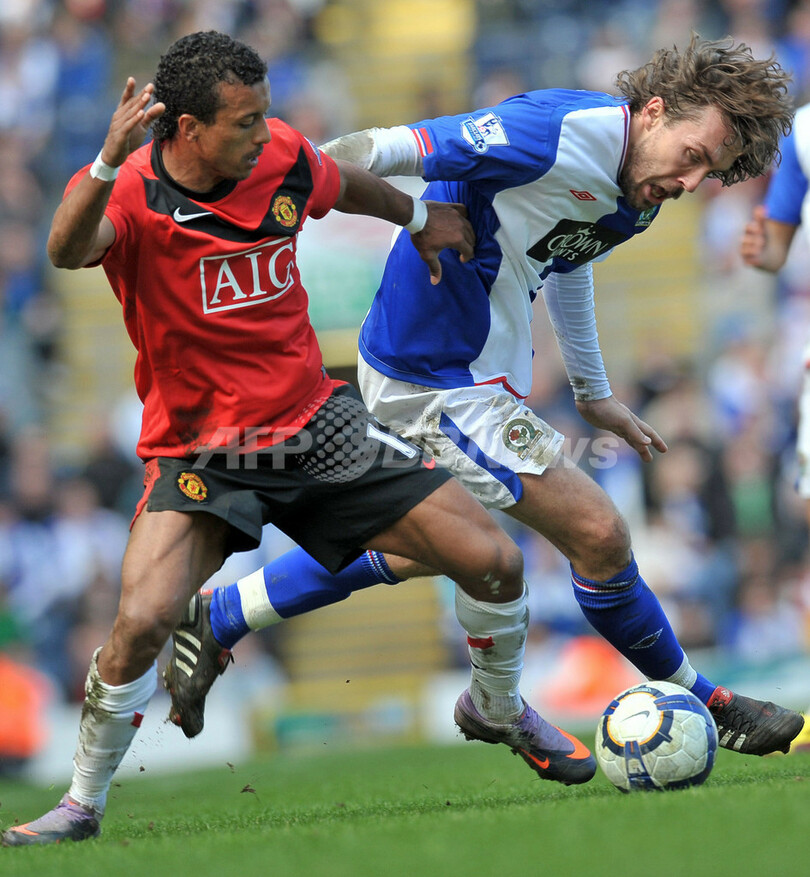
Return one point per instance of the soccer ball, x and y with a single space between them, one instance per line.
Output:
656 736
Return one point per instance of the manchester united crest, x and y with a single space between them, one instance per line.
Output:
285 211
192 486
518 435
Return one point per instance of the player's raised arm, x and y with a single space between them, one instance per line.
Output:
80 234
433 226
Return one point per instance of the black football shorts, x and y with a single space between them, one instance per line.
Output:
331 487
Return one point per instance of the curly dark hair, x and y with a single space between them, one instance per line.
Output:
189 73
751 94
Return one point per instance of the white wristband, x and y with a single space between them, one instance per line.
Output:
100 170
419 218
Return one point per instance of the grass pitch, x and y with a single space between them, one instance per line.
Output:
466 810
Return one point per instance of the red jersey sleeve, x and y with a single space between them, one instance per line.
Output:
74 180
325 178
127 186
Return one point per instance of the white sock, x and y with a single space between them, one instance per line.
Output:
111 716
257 609
496 639
685 675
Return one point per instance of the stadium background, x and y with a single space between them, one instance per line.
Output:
706 350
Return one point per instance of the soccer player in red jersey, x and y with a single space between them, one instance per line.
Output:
196 232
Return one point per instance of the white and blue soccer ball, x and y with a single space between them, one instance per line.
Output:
656 736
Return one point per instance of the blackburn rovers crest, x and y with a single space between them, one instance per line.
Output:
518 435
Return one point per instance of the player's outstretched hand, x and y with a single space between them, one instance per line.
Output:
614 416
447 227
130 122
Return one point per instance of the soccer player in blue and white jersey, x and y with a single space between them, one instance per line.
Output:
552 180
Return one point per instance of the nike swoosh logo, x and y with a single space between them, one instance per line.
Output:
185 217
580 752
24 829
645 713
580 749
542 763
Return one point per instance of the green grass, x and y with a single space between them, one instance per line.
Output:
470 810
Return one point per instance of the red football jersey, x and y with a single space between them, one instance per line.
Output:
212 297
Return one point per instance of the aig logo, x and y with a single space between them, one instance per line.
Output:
251 277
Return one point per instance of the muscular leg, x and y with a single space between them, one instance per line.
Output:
565 506
448 532
576 515
570 510
295 583
169 555
451 532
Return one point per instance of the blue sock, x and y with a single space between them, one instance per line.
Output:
290 585
628 615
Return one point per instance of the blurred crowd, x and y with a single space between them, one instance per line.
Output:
718 529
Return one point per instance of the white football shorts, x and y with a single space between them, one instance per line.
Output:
483 435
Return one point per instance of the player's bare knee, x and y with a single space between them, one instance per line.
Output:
511 564
615 539
141 634
602 543
503 580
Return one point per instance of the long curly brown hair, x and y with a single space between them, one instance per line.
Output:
752 95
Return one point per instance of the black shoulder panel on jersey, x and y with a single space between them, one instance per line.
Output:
283 217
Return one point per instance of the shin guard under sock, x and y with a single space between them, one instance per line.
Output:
111 716
496 640
628 615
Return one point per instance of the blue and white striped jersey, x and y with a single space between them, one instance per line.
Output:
538 174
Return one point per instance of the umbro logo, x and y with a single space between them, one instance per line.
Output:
185 217
582 195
